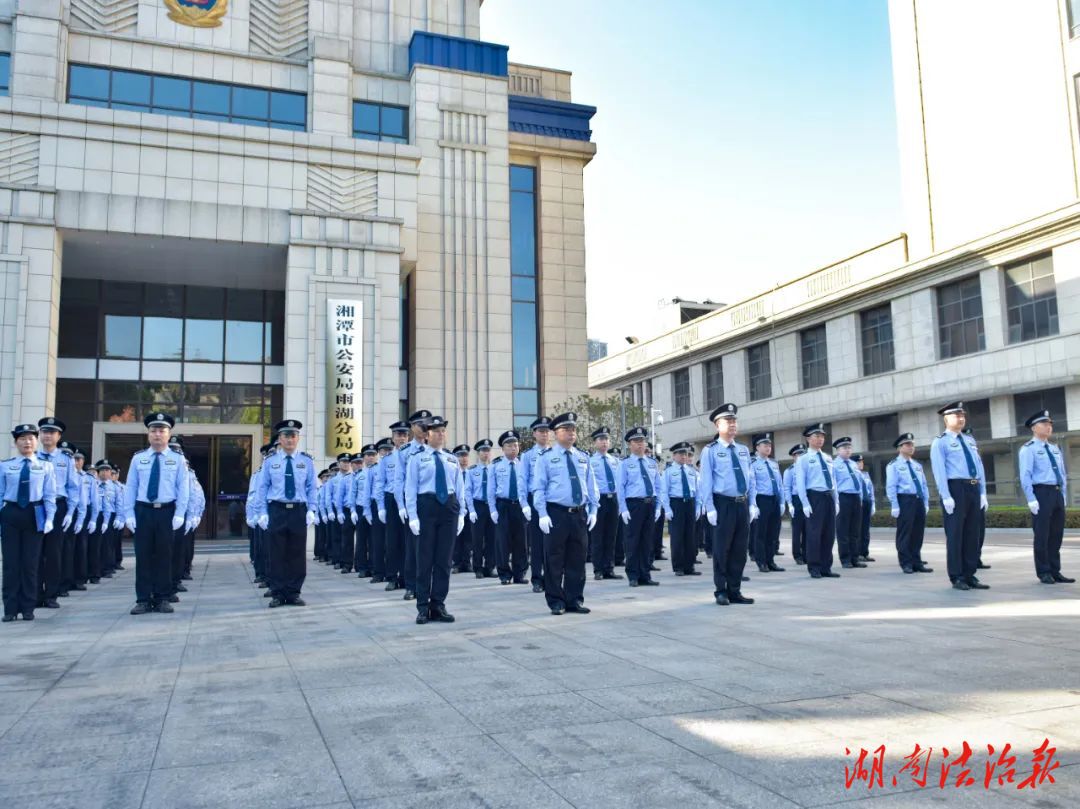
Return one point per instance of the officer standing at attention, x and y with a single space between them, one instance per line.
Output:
961 482
435 502
869 505
377 509
1045 483
178 545
678 490
102 509
50 430
325 511
541 432
909 499
363 463
485 553
770 503
636 485
794 506
816 490
394 507
28 511
849 492
727 493
982 518
656 547
602 537
566 496
286 505
462 555
67 536
155 502
509 509
418 422
82 521
338 519
251 516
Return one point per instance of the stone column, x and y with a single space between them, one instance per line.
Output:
39 50
330 86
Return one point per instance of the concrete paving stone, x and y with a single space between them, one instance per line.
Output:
195 708
540 710
638 701
15 702
480 686
520 791
430 721
328 703
266 680
243 740
71 757
86 790
611 674
115 715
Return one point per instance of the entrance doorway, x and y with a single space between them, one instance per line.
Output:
221 458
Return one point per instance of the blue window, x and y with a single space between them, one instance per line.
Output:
173 95
5 74
525 322
373 121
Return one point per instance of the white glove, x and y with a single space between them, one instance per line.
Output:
807 511
177 523
525 510
264 521
495 516
657 517
838 508
341 518
355 517
983 503
48 527
92 527
625 517
414 526
755 512
472 516
781 509
545 525
403 515
948 504
791 509
1033 506
460 523
382 517
309 519
591 523
369 518
250 523
118 523
669 515
66 524
895 513
711 517
130 523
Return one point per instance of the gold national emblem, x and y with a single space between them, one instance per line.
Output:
197 13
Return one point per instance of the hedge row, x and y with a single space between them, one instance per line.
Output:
996 517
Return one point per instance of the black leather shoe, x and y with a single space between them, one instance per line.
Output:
479 574
662 558
7 619
107 574
654 569
828 574
391 586
378 579
28 616
693 572
181 588
186 577
276 602
174 599
814 574
538 588
634 583
580 609
520 580
297 602
981 566
778 553
739 598
490 573
268 594
960 584
746 578
504 581
63 594
614 575
722 600
763 568
262 585
164 606
800 561
908 569
598 576
775 568
409 596
867 559
79 587
1062 579
558 610
679 573
345 571
441 615
421 618
51 603
1047 578
975 584
455 569
924 569
650 583
858 564
847 564
95 581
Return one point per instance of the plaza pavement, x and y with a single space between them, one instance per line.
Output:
657 699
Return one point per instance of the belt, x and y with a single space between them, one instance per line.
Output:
969 481
1053 486
61 499
568 509
608 496
283 504
738 499
510 501
639 499
155 505
31 503
687 499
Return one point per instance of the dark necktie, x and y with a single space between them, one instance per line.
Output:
290 479
972 471
1053 465
483 484
645 478
440 478
155 479
825 470
865 491
772 477
847 466
607 474
575 483
740 478
24 484
685 482
513 493
915 480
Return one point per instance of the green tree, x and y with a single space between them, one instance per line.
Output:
593 412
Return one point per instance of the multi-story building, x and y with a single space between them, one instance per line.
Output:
240 209
979 300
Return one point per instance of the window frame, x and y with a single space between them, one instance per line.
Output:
765 371
680 400
876 348
707 378
380 134
1032 303
945 348
814 371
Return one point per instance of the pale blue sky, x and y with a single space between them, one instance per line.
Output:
739 143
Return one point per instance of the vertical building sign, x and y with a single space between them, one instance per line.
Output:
344 375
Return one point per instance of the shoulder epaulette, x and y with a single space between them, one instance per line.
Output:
304 453
1029 443
500 458
712 443
545 449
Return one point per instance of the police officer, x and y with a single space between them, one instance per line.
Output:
541 432
255 534
816 490
67 538
485 552
360 508
435 501
110 537
50 566
196 509
909 500
377 509
154 505
869 505
636 486
102 513
961 482
678 490
324 511
727 494
1044 479
286 504
340 527
849 493
418 422
508 505
770 503
565 494
394 507
28 512
77 580
602 536
463 542
794 506
179 544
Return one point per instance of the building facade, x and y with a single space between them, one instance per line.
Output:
978 300
202 202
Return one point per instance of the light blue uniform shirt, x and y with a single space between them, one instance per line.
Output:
196 496
1035 467
405 455
718 474
67 484
102 500
868 492
767 473
550 481
85 479
671 484
846 476
42 482
499 482
373 489
810 475
528 463
249 506
474 482
172 481
948 462
899 480
630 480
598 462
272 481
789 484
420 477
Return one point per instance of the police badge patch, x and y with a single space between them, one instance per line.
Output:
197 13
